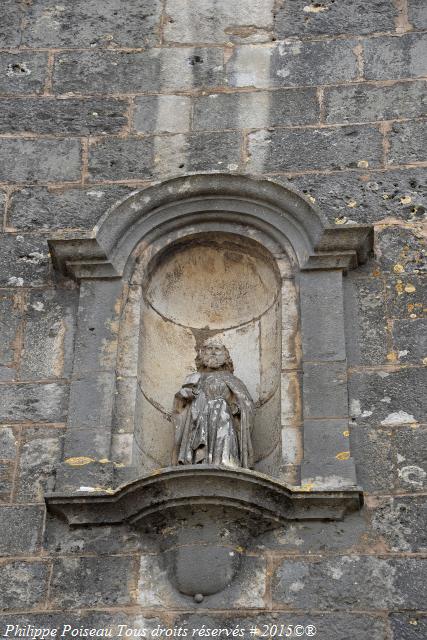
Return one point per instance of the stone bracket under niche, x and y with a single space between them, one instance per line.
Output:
203 517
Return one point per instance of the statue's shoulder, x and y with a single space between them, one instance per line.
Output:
192 378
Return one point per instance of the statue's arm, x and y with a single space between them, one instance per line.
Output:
188 388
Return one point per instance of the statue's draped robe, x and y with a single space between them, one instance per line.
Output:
214 416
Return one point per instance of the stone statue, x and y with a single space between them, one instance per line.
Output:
213 413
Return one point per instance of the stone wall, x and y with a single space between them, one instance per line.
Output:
102 98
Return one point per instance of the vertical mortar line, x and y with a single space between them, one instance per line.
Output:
85 160
7 197
162 22
401 21
320 91
128 129
23 298
268 598
14 487
360 61
49 583
385 128
191 118
47 91
244 148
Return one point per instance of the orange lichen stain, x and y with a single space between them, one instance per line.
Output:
391 357
410 307
344 455
376 273
398 268
346 434
308 486
363 164
78 462
104 460
399 288
409 288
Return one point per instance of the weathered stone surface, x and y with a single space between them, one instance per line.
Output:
400 250
8 442
387 398
394 57
36 402
162 114
6 477
293 64
407 142
123 411
146 158
23 585
92 581
249 22
401 522
328 148
22 531
39 160
417 14
366 321
372 451
291 405
255 109
410 340
411 458
366 197
24 260
325 390
49 334
70 116
153 70
22 73
40 455
405 296
325 439
350 581
10 322
10 29
300 17
79 24
36 208
409 626
366 103
154 431
91 401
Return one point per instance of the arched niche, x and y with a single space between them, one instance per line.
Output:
188 222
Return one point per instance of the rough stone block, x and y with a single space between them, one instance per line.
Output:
23 585
401 522
408 626
250 21
293 64
49 334
35 402
366 321
10 29
256 109
22 529
350 581
149 157
24 261
291 405
406 295
39 160
8 442
325 390
325 439
79 23
410 340
300 17
70 116
91 401
366 103
22 73
400 250
326 148
123 411
387 398
148 71
92 442
411 458
85 582
6 477
394 57
408 141
417 14
10 323
372 452
41 453
38 208
359 197
162 114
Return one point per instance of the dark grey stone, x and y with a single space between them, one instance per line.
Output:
6 477
24 261
82 24
91 401
300 149
408 141
39 160
402 523
257 109
150 71
410 340
10 322
40 454
350 581
10 28
406 295
373 454
411 457
21 529
93 441
77 619
36 402
408 626
394 57
302 17
325 438
8 442
92 581
22 73
400 250
417 14
366 103
49 334
387 398
325 390
23 585
70 116
36 208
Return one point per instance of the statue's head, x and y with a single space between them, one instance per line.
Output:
214 355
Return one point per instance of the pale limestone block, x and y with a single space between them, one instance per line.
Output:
291 399
270 351
266 432
154 432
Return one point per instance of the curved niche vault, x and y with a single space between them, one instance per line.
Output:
247 262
